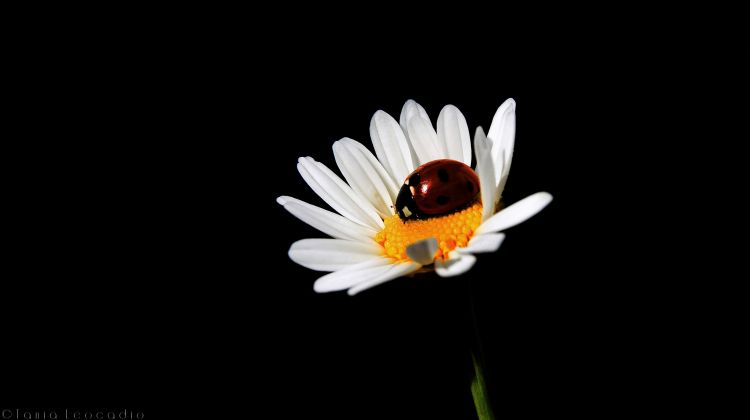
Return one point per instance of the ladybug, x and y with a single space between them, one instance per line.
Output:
437 188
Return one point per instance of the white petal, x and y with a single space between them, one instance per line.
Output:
352 275
485 170
503 133
424 140
394 272
338 194
457 264
366 175
489 242
453 133
327 222
391 146
332 254
423 251
516 213
410 109
503 178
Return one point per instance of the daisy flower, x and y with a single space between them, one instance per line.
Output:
374 240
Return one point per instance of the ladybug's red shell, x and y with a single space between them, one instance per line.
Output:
436 188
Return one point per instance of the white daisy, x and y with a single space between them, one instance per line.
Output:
371 244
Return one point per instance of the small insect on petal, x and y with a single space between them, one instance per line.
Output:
436 188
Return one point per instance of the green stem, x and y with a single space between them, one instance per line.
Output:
478 386
479 392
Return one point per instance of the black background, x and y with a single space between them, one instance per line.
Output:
163 280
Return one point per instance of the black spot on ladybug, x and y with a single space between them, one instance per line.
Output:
436 188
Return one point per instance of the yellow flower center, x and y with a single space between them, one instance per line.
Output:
451 231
